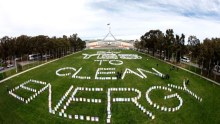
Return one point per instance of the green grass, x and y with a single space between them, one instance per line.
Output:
192 111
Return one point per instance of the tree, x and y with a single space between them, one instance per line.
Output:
194 46
210 53
180 46
7 47
152 40
73 39
41 44
169 40
137 44
160 42
143 44
22 45
76 43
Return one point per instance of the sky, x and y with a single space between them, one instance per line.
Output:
129 19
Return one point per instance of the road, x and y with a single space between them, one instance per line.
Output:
22 63
191 64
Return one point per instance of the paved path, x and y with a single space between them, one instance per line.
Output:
34 68
185 70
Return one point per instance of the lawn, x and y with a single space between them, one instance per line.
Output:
192 110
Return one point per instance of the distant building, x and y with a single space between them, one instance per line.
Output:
95 44
107 43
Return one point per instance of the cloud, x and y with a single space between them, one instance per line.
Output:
129 18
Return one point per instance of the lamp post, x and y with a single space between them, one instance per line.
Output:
16 67
202 65
209 67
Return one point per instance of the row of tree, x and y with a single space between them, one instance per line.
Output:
208 53
14 47
168 44
171 46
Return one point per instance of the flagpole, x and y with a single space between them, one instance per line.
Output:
109 27
109 33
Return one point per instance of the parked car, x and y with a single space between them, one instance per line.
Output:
185 59
46 56
1 68
34 56
9 65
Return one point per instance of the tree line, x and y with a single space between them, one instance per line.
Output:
172 46
15 47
